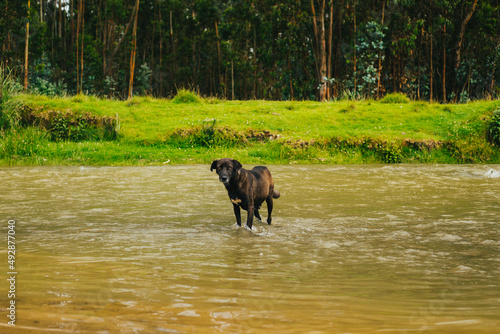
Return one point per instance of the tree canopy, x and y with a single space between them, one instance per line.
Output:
445 50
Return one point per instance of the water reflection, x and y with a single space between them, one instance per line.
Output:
358 249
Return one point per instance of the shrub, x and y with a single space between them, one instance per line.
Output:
25 142
395 98
110 87
212 100
72 126
143 80
348 108
494 128
391 154
207 135
42 79
9 106
186 96
41 86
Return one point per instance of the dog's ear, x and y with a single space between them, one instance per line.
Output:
214 165
236 165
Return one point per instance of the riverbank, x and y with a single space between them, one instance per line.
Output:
156 131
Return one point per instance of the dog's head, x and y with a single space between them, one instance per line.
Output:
226 169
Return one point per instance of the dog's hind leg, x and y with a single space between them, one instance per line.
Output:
269 201
256 214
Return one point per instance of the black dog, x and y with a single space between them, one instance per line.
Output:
247 189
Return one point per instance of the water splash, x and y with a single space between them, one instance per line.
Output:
492 174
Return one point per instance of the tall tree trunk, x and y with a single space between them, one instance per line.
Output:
132 55
219 60
59 32
355 42
255 63
225 84
379 70
431 88
321 48
26 49
458 46
444 63
193 61
232 80
41 10
81 48
71 11
292 97
337 71
53 28
323 90
161 42
161 49
79 14
174 63
330 48
316 38
64 34
419 62
129 24
104 40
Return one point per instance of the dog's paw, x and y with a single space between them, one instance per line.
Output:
249 229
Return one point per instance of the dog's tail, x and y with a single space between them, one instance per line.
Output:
276 194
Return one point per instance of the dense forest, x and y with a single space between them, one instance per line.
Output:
437 50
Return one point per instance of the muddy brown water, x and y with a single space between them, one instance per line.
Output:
352 249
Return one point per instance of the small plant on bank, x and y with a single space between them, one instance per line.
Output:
186 96
391 154
212 100
23 142
494 128
9 105
209 134
348 108
395 98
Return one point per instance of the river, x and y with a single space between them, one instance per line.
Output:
352 249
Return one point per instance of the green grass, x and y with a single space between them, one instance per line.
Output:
158 131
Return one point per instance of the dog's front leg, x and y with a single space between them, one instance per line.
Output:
250 216
237 213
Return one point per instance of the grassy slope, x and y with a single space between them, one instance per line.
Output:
147 123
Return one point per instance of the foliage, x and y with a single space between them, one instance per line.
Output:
9 105
71 126
207 135
494 128
83 127
370 48
21 143
43 81
186 96
261 49
110 87
395 98
143 80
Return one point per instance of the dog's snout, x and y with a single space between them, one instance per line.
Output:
224 178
